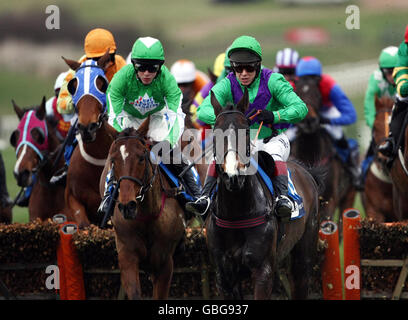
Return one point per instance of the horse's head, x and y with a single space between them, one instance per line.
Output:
88 89
307 88
383 108
231 141
130 158
33 139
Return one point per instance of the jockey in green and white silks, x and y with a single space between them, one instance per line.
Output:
380 84
147 88
278 104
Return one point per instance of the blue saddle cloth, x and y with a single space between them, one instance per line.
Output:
299 211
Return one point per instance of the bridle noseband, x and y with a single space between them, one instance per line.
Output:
145 184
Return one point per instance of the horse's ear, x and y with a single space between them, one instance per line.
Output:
40 113
216 105
244 102
18 110
144 127
103 61
72 63
212 76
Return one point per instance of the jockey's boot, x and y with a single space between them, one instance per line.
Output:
105 205
201 205
60 177
284 204
24 197
389 147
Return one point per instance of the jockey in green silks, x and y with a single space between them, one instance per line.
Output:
147 88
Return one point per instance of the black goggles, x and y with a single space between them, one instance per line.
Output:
388 71
152 68
249 67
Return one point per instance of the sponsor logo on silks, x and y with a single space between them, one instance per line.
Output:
145 104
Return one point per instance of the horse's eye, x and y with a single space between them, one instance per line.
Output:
141 159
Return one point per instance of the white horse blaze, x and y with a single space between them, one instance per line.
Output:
123 152
231 161
20 158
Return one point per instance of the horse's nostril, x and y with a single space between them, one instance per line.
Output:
128 210
23 178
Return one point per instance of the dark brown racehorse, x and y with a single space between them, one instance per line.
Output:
94 137
35 129
377 194
314 147
244 236
147 224
399 176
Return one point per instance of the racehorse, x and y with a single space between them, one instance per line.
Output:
399 176
244 236
148 225
94 138
37 144
314 147
377 195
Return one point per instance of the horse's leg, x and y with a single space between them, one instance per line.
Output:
76 210
162 279
129 271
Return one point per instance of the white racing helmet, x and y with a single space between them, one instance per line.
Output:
184 71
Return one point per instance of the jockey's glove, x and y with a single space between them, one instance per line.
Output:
325 121
266 116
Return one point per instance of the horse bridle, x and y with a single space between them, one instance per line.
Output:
146 184
93 126
248 142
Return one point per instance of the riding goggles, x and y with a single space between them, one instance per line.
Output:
250 67
152 68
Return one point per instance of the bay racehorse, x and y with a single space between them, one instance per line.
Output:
399 175
37 144
148 224
94 136
313 146
244 236
377 195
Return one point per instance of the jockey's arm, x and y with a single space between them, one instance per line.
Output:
295 109
115 98
172 92
222 91
369 100
400 73
344 105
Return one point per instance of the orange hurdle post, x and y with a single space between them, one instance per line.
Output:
351 250
61 219
73 273
331 271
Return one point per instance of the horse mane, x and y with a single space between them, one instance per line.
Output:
127 132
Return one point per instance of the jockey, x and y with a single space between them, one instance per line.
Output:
189 79
96 43
390 147
286 61
219 65
51 108
336 111
280 106
147 88
381 83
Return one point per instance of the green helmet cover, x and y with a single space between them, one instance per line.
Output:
147 48
246 43
388 57
227 63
